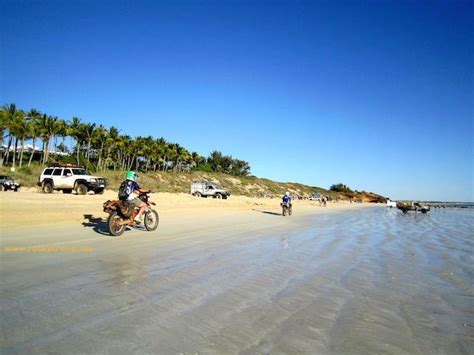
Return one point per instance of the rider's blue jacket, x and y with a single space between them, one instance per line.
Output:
286 199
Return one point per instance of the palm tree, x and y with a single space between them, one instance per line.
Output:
88 135
111 142
215 160
75 132
61 130
9 112
197 159
46 126
3 122
20 129
182 156
123 147
158 152
99 138
136 151
148 150
33 117
120 150
161 147
169 155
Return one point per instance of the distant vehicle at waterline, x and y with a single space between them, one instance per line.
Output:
391 204
412 206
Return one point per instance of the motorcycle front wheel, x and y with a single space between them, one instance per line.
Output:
151 220
113 224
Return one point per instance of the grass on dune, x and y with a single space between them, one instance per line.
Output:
180 182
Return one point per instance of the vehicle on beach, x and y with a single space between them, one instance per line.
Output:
122 214
7 183
203 188
391 204
286 208
410 206
316 197
68 178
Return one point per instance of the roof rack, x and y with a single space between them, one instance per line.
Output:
64 165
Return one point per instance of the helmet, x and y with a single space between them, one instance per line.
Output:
287 193
131 175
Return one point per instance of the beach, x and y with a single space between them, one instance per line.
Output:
234 276
38 209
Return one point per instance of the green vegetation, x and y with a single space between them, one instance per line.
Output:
340 188
99 148
163 166
180 182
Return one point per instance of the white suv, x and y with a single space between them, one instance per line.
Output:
68 178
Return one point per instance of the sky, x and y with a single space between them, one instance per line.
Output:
377 95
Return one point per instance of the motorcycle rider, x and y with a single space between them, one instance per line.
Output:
287 199
129 190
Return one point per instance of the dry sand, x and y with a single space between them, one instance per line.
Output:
28 208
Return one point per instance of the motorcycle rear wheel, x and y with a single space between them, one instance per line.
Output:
151 220
113 224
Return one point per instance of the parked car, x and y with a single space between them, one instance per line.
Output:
7 183
206 188
316 197
68 178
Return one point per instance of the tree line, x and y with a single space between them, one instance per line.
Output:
99 147
340 188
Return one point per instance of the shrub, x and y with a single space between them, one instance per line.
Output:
26 170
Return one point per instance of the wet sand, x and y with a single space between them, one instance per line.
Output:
241 280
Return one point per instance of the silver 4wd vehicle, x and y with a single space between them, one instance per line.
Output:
69 178
7 183
207 188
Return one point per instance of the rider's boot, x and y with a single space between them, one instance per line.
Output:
134 217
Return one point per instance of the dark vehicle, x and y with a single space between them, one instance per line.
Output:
286 209
7 183
121 214
417 207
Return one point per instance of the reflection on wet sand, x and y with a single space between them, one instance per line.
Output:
358 282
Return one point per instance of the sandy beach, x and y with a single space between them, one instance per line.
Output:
228 277
57 208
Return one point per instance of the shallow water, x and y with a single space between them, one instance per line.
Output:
366 281
411 281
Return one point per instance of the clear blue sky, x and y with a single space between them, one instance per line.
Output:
377 95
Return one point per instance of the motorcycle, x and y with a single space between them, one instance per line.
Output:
286 208
122 214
